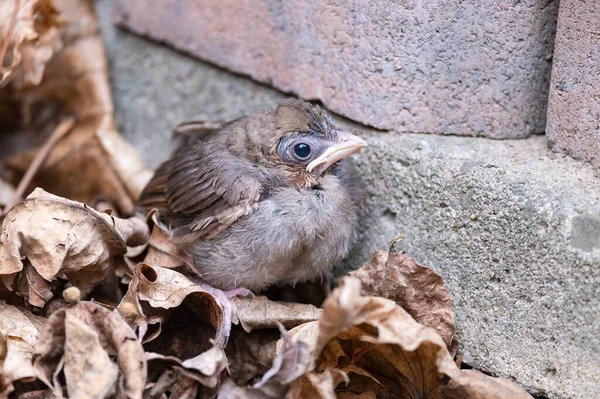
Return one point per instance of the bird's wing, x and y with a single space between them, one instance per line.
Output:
200 192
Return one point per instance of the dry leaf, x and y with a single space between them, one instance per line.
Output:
93 160
205 368
417 289
318 385
251 355
88 369
260 313
29 29
382 350
473 384
47 236
90 329
162 251
154 291
19 330
289 365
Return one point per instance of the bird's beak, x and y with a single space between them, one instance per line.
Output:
346 144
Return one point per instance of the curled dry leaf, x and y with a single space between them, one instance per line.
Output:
205 368
29 29
417 289
47 236
155 292
93 160
79 342
260 313
291 363
383 351
19 330
473 384
321 385
251 355
162 251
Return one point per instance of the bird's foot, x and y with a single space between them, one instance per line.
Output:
223 299
243 292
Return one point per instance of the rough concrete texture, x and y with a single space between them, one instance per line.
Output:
574 105
448 67
514 230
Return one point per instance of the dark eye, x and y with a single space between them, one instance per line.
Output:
302 150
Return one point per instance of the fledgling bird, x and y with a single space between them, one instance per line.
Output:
261 200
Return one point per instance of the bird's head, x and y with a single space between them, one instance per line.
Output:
307 143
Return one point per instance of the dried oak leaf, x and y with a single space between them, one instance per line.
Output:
382 350
46 236
154 296
261 313
79 343
29 29
417 289
19 330
93 160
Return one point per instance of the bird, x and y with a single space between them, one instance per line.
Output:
266 199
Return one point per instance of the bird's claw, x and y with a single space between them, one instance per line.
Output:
243 292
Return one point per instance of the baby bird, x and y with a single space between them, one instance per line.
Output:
264 199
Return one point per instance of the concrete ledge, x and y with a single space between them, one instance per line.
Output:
446 67
516 236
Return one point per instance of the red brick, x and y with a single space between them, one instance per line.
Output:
574 104
453 67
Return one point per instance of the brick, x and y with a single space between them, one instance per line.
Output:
453 67
574 103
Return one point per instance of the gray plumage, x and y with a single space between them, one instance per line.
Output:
248 209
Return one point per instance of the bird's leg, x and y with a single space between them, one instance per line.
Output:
241 291
223 299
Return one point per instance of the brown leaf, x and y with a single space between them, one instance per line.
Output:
153 294
29 29
47 236
93 159
19 330
417 289
473 384
162 251
382 350
251 355
90 329
318 385
205 368
88 368
260 313
291 363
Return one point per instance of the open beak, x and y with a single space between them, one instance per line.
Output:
346 144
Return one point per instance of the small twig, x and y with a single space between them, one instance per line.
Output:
13 21
399 237
59 132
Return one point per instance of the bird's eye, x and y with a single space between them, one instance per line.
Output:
302 150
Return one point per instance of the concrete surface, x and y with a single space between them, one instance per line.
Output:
573 124
448 67
513 229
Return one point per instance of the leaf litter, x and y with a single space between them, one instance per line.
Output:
97 302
